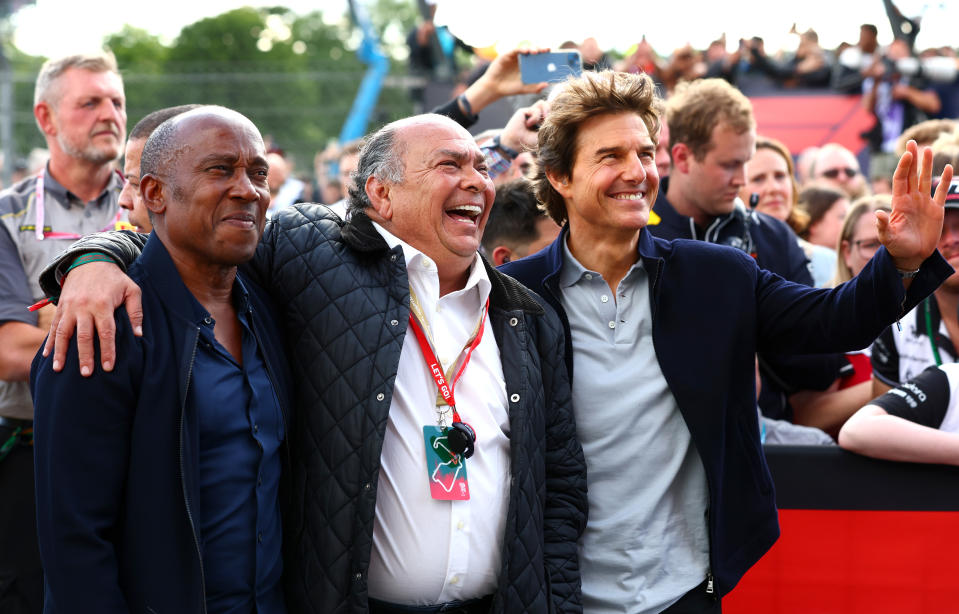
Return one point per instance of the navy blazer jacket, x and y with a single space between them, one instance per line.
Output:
713 308
117 456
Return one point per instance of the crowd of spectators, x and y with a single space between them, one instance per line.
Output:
813 217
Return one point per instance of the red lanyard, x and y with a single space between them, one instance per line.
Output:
446 388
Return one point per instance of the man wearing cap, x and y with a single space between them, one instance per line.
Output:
927 332
79 107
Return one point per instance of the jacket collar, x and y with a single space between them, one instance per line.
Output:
505 292
667 215
359 234
651 250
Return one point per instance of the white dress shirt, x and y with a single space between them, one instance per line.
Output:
425 551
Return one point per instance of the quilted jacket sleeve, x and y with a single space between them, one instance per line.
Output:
122 245
566 503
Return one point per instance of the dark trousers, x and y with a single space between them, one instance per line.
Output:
697 601
21 575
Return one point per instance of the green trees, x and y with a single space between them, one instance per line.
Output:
294 75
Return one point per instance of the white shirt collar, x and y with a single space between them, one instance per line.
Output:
419 264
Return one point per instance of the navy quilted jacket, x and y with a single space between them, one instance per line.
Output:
344 298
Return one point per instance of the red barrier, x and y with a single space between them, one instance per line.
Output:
806 121
855 562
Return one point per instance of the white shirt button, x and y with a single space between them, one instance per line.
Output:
455 580
588 276
612 324
460 525
604 298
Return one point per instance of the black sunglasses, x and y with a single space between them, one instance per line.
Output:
834 172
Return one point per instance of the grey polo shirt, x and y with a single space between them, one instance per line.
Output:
23 257
646 543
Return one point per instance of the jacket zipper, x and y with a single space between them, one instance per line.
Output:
186 496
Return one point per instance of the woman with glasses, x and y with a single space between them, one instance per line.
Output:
859 239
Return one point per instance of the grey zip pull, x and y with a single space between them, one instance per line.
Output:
710 589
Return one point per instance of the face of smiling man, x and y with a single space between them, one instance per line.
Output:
210 200
614 180
441 204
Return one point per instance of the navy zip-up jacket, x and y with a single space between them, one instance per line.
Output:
117 456
712 309
777 250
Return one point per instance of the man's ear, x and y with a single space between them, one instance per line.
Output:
560 184
152 190
44 115
501 254
681 155
379 194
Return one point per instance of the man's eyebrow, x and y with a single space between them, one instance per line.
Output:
456 154
602 151
218 157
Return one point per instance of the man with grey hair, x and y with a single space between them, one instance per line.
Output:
80 108
392 317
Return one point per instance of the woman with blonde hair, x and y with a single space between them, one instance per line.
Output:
771 189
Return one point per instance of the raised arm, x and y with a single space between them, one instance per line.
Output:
501 79
911 230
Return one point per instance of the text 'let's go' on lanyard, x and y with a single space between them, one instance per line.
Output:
39 206
444 384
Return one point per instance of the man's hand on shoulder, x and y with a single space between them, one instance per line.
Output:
911 231
90 295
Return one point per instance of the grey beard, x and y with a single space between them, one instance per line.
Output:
90 153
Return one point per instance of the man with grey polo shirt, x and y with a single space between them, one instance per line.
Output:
661 343
79 106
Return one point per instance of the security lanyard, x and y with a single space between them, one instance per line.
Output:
38 224
932 336
443 382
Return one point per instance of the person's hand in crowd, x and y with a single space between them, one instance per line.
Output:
423 33
911 230
519 134
90 295
502 79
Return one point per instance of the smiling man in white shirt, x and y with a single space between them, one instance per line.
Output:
408 350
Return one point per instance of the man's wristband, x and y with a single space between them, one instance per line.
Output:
507 151
86 259
465 106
